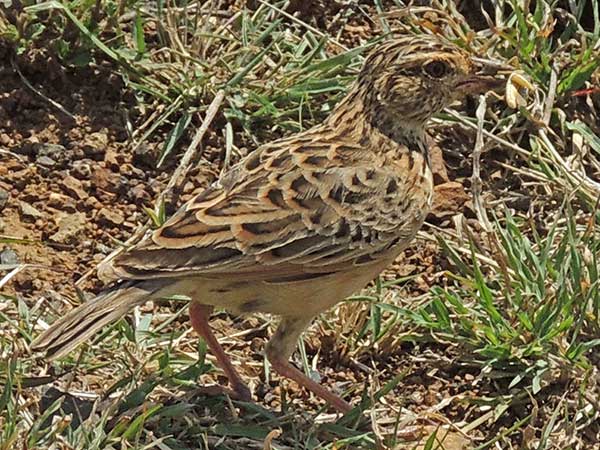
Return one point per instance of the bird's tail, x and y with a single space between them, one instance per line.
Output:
84 321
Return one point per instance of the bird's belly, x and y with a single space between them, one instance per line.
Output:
292 299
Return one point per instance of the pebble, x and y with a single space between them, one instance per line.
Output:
8 256
139 194
62 202
45 161
111 158
29 212
110 217
55 151
95 145
82 169
4 195
144 156
73 187
106 180
70 226
92 203
5 139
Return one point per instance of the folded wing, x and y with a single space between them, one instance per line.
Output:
308 208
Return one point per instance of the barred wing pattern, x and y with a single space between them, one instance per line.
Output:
288 210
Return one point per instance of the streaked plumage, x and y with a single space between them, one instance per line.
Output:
302 222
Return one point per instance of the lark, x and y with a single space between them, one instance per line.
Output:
300 223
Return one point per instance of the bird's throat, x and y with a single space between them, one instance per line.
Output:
365 121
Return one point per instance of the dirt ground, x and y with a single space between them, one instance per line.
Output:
73 188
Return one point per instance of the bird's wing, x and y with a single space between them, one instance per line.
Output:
286 211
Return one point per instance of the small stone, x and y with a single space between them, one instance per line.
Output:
45 161
110 217
82 169
56 153
111 158
8 256
73 187
449 198
92 203
4 195
70 227
62 202
132 171
144 156
51 150
21 178
29 212
5 139
106 180
438 166
139 194
95 145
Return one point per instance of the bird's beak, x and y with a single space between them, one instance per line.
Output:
488 76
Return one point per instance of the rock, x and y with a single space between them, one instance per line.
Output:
29 212
73 187
110 217
139 194
46 162
438 166
95 145
144 156
62 202
8 256
21 178
55 151
132 172
70 227
5 139
51 155
82 169
4 195
92 203
112 160
106 180
449 198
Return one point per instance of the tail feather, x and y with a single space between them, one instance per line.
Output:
84 321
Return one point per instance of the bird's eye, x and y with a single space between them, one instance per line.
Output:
437 69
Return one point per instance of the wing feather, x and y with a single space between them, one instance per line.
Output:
286 211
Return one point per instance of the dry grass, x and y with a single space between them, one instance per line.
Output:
485 334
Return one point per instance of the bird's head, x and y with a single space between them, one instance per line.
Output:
411 78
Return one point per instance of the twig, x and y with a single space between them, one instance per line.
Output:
184 164
519 150
549 103
476 177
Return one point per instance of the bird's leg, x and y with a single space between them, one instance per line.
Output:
199 315
280 348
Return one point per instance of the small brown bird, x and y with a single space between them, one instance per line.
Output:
302 222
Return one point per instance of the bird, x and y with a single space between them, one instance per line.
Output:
300 223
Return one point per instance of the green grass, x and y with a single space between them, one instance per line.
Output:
515 308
